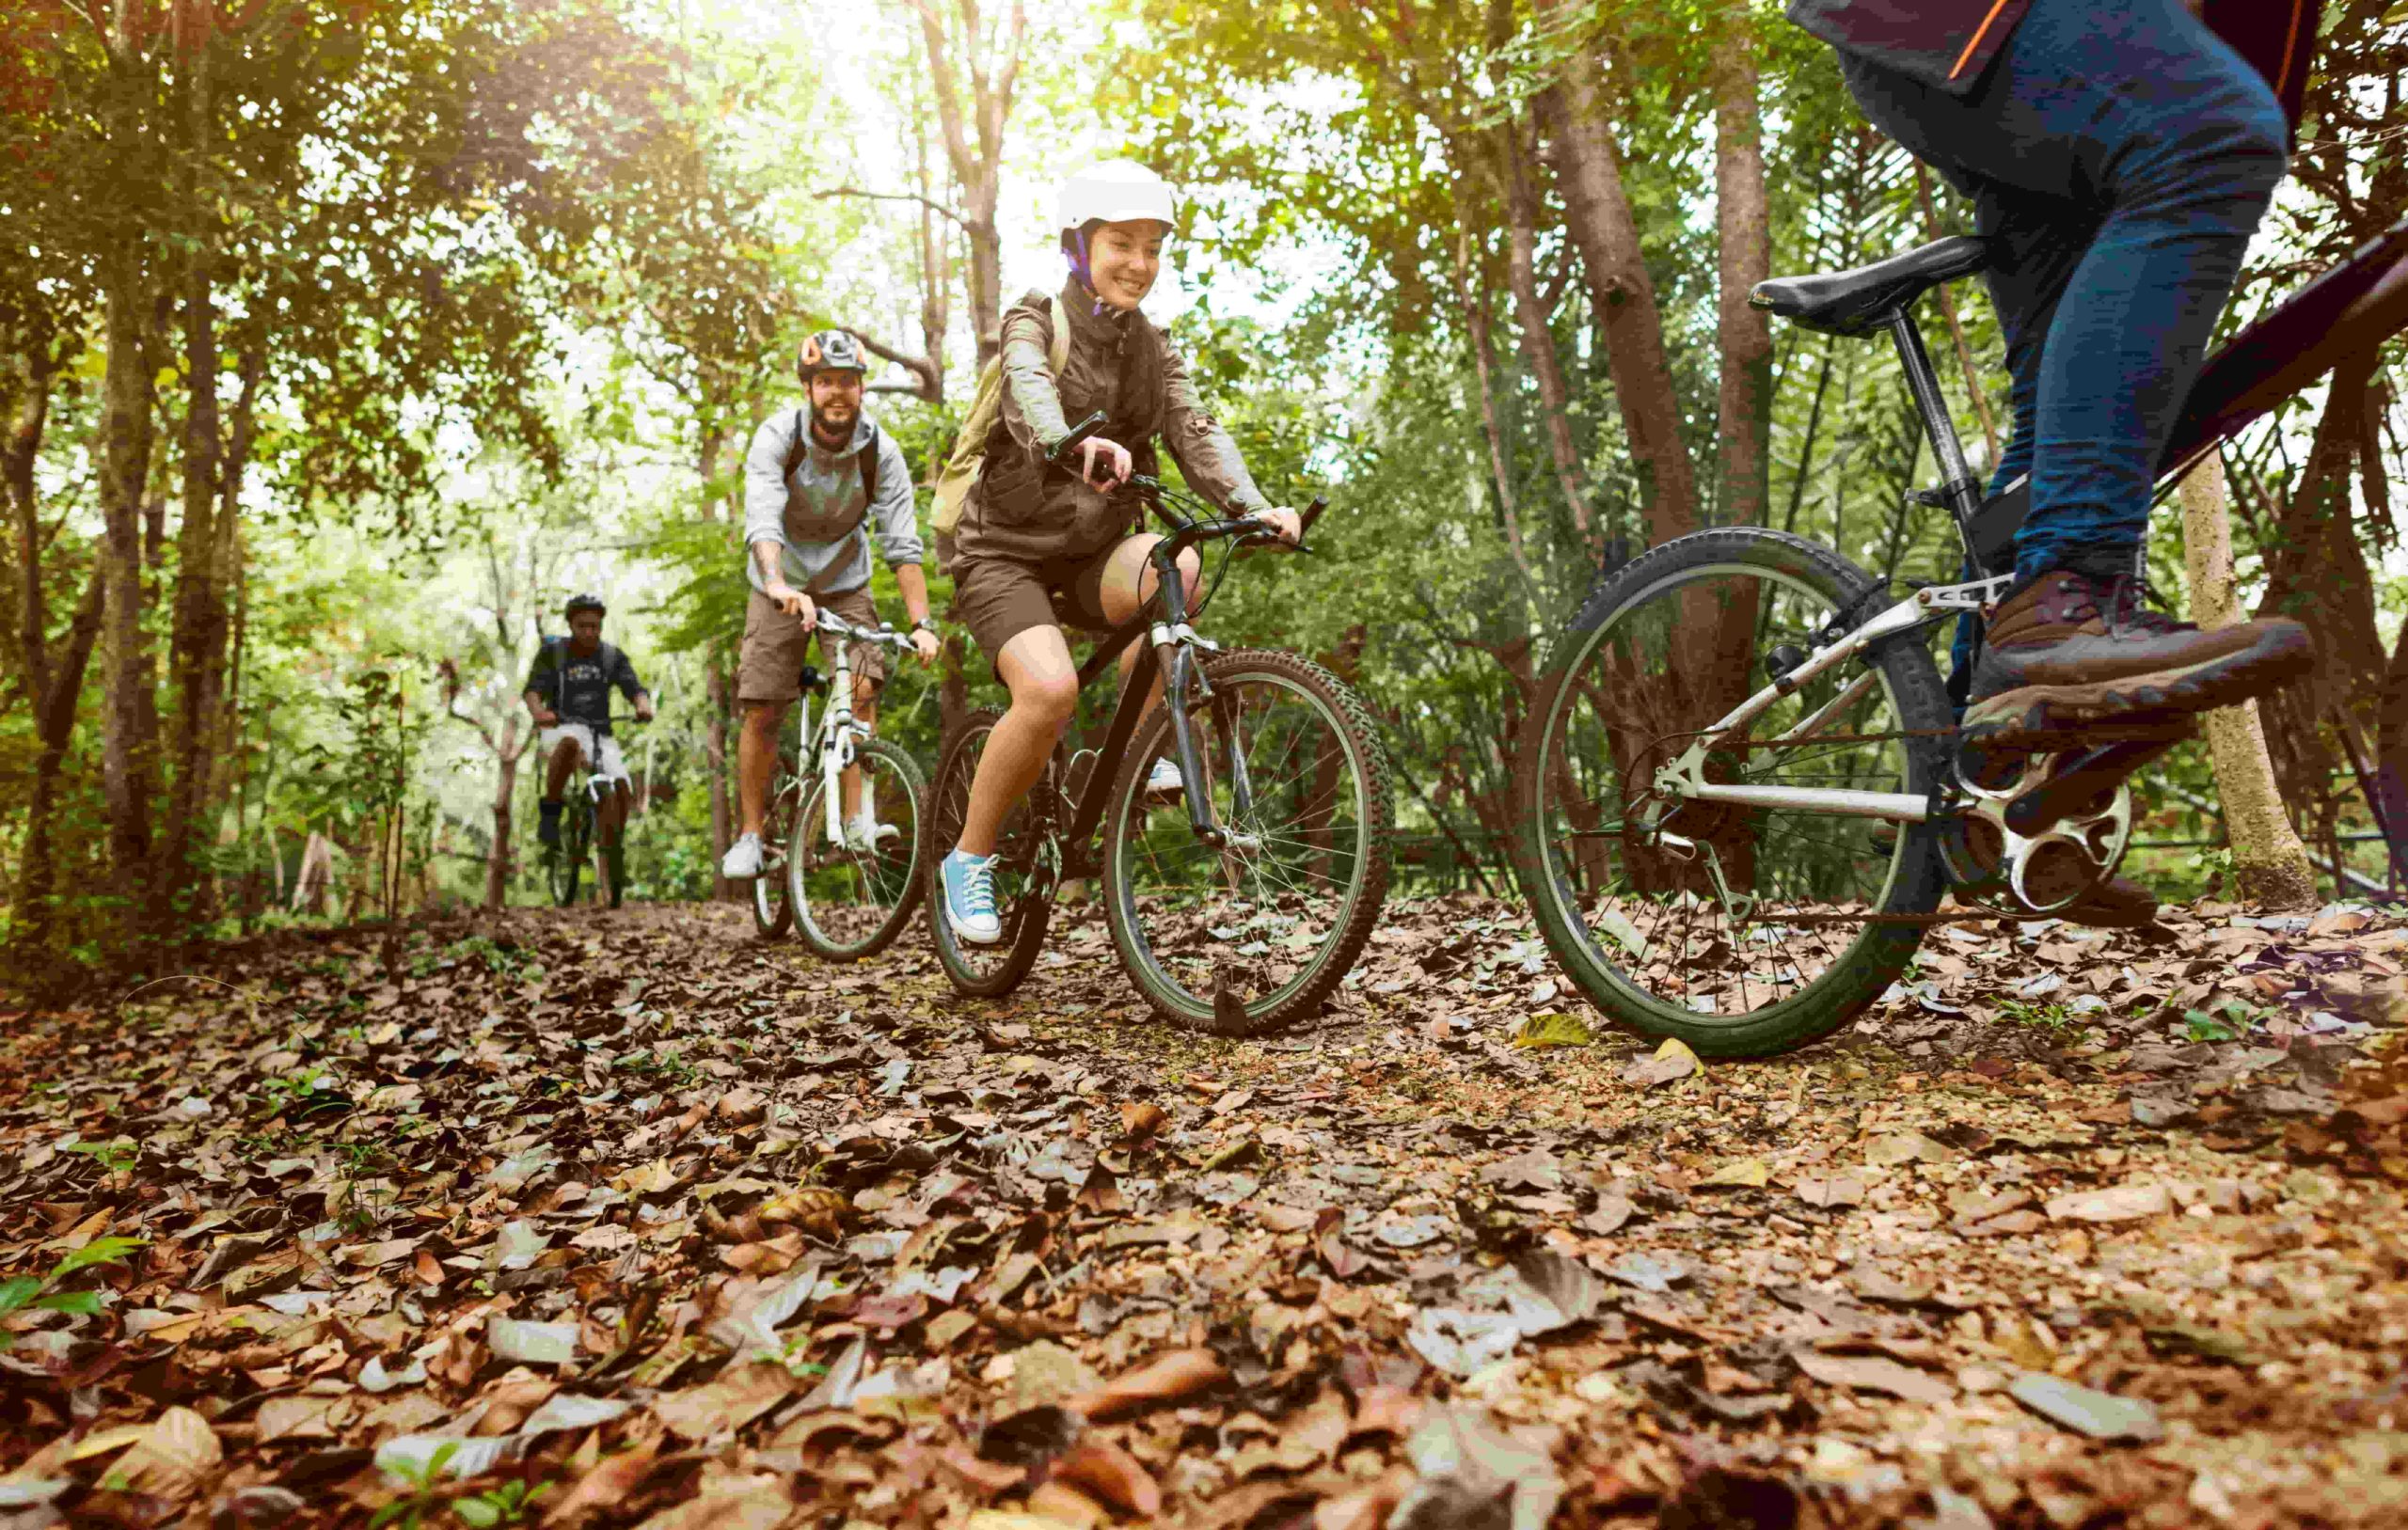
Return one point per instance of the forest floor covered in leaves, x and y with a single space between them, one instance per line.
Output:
629 1217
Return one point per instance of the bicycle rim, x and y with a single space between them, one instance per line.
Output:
1253 935
1690 939
851 899
1027 866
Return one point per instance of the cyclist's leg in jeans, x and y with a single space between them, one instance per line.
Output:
2162 146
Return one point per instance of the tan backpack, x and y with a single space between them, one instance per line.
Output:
969 447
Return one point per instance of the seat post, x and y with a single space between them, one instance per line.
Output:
1957 489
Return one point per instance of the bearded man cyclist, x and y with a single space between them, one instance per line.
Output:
817 480
2118 157
568 692
1032 531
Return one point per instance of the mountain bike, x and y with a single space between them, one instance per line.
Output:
843 892
1742 791
566 862
1238 905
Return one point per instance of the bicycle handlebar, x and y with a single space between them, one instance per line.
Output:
884 635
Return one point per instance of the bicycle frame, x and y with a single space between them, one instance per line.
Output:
835 742
2357 305
1171 650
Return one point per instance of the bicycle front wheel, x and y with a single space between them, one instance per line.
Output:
852 895
1239 940
1027 867
1743 930
566 863
772 904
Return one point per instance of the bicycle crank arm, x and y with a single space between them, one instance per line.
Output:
2083 785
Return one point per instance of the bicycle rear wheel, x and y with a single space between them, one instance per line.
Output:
1027 867
566 863
1240 939
849 900
772 904
1741 930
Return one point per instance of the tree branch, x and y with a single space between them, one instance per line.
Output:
933 206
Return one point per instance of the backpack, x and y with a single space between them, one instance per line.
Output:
866 459
986 406
555 648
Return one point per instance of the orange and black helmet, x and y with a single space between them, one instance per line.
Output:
831 350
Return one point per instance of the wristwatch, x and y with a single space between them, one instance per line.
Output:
923 625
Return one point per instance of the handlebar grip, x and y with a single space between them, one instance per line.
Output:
1312 513
1080 433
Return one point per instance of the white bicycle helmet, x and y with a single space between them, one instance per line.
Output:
1115 191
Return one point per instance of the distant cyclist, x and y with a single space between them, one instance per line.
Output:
817 480
568 691
2122 155
1032 530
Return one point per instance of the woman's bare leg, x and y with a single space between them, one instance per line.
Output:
1036 666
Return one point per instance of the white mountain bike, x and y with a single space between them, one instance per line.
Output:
844 849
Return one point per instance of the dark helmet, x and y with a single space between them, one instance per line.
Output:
588 602
831 350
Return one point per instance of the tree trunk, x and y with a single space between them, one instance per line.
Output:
126 764
974 120
723 819
1599 216
200 604
1536 321
1744 225
2269 862
54 726
1472 294
498 858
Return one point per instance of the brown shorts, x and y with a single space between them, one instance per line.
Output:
769 669
1000 598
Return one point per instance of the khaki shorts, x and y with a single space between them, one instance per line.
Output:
1000 598
769 668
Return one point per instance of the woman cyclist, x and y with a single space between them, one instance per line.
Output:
1031 531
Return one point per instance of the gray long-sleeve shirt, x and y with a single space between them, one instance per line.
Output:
816 514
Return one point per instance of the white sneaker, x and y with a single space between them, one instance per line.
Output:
742 861
1164 783
867 835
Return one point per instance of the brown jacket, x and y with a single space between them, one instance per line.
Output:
1951 43
1120 363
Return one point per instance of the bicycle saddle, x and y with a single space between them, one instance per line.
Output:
1862 301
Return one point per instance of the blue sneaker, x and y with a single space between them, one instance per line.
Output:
970 898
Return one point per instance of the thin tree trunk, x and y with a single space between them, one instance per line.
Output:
125 467
55 727
1473 297
723 817
2269 862
200 604
510 751
1536 321
1743 222
1599 216
974 120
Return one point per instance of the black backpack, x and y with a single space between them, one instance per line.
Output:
867 459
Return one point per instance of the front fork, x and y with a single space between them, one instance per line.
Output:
1175 645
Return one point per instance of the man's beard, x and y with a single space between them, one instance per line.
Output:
826 418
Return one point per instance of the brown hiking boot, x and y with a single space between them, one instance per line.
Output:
2073 657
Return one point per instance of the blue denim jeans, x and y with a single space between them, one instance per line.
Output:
2124 155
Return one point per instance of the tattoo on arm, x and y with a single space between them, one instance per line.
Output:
766 556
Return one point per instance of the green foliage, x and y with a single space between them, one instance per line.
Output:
20 1293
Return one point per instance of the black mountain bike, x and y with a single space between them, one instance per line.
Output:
1742 793
566 864
1239 905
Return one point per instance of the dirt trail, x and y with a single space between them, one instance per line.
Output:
629 1219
